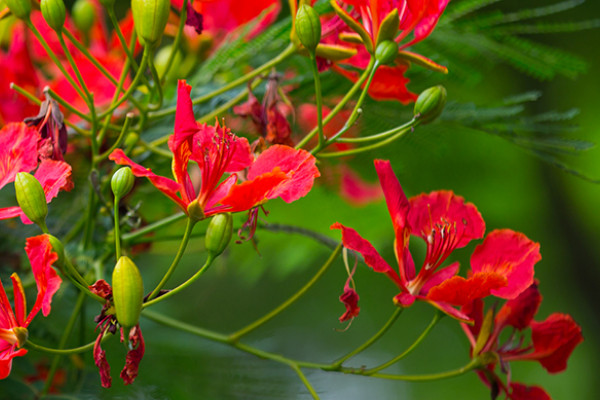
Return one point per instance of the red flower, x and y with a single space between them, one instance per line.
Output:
107 322
19 152
502 265
280 171
416 17
13 324
552 340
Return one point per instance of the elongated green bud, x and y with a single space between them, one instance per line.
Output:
386 52
19 8
122 182
54 13
430 104
84 15
389 27
218 234
150 18
31 198
128 292
308 27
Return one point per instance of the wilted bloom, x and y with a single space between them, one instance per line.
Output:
552 341
50 123
19 152
107 323
13 324
280 171
501 266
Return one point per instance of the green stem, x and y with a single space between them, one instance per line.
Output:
234 337
113 19
438 315
117 143
63 341
63 352
118 90
152 227
157 83
89 99
341 104
319 98
80 282
132 86
83 49
117 228
291 49
185 284
473 364
184 327
372 340
353 116
382 135
186 238
175 44
217 337
366 148
55 59
307 384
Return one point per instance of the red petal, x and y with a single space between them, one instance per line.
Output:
357 191
460 291
554 340
298 164
134 356
353 241
523 392
101 363
252 193
519 312
350 299
443 207
439 277
18 151
388 83
18 319
41 256
168 186
101 288
510 254
447 309
6 356
398 207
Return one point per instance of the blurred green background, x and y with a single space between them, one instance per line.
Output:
510 187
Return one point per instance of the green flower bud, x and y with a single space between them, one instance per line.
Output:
58 248
122 182
54 13
150 18
128 292
389 27
22 334
19 8
386 52
84 15
308 27
31 198
430 104
218 233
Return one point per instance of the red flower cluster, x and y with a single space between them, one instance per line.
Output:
280 171
552 341
13 324
416 17
501 266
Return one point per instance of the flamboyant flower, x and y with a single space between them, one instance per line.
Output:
280 171
552 341
107 323
19 152
416 17
13 324
501 266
